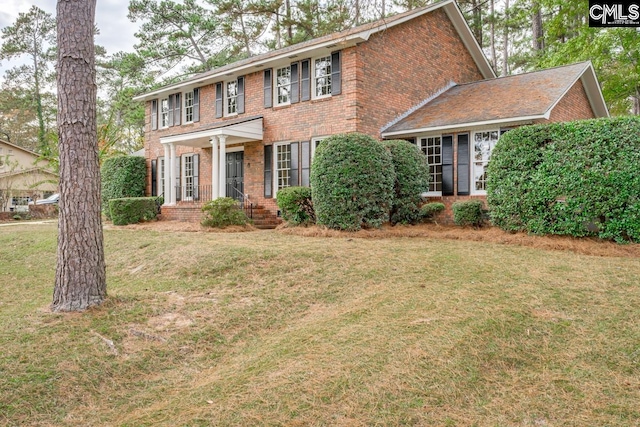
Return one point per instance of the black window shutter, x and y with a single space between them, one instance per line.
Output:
196 105
154 114
268 92
154 175
447 165
196 177
305 80
240 101
295 164
463 164
268 174
178 189
305 163
336 74
176 110
218 100
170 113
411 139
295 83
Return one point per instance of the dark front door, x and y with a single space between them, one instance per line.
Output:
235 175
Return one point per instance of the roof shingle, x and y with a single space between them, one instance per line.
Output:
522 95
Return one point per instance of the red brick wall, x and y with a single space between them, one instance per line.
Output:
573 106
404 65
381 79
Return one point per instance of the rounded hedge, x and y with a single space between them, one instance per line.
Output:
412 179
578 178
352 182
122 177
296 206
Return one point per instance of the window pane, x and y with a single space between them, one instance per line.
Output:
283 85
322 76
232 96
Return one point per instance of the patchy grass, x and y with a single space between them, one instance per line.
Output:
267 328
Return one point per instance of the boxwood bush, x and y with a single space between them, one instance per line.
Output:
123 176
223 212
131 210
468 212
296 206
428 211
578 178
412 179
352 180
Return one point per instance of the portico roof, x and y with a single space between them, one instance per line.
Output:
236 131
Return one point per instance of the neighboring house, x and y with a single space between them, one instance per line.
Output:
22 178
250 128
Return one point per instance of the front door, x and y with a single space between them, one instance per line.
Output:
235 175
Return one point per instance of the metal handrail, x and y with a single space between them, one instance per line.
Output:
244 202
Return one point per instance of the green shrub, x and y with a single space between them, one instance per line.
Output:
296 206
430 210
352 181
223 212
121 177
412 179
131 210
468 212
578 178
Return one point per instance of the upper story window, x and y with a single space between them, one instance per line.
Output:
432 148
483 145
322 76
283 85
188 106
164 112
231 97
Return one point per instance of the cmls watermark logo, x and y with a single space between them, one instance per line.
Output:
614 13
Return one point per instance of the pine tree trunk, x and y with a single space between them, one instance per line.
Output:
492 39
505 40
536 28
80 272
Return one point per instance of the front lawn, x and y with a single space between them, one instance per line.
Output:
265 328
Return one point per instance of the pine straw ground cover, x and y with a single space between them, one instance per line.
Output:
270 328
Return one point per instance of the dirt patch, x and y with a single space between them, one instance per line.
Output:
585 245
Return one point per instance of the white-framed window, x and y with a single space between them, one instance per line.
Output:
283 86
315 142
187 177
282 160
321 77
164 112
188 99
231 97
432 148
483 144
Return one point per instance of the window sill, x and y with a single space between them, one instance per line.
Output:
321 98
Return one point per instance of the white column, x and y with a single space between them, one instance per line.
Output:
215 177
223 167
167 175
172 171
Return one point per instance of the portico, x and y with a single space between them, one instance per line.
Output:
231 133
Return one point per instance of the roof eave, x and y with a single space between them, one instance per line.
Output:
460 126
349 40
457 18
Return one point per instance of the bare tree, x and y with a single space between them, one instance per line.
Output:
80 272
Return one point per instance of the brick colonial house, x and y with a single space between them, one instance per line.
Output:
247 129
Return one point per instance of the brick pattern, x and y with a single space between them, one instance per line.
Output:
403 66
573 106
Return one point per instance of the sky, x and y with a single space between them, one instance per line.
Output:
116 31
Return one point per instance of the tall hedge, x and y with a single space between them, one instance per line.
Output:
579 178
121 177
352 182
412 179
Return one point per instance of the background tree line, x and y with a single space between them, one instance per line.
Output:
177 39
